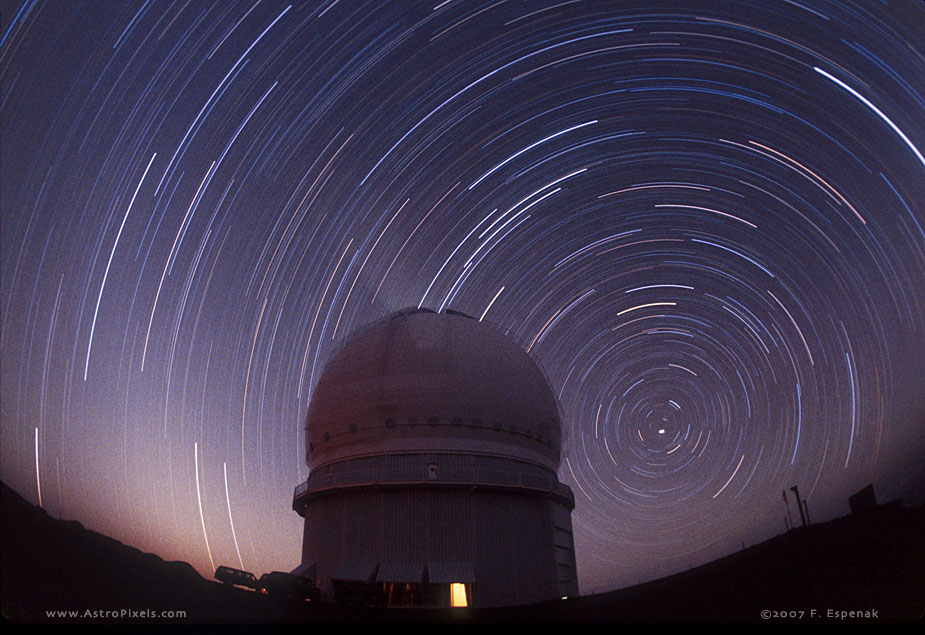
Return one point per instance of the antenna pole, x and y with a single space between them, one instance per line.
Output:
796 492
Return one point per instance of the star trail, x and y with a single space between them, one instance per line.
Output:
706 221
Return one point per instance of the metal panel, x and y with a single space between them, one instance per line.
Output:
401 572
356 572
448 572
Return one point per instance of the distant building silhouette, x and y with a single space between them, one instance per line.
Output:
433 443
863 501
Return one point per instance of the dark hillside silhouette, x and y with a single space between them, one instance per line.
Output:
869 562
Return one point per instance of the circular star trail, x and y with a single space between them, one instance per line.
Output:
704 220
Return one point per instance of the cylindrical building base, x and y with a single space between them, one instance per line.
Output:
411 543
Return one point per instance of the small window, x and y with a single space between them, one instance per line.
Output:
390 423
353 428
327 437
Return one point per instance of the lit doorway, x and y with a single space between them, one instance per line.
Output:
458 595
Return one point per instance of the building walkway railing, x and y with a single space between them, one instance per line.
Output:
323 481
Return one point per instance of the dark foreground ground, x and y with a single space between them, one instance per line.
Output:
872 565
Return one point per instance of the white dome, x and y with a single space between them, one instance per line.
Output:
420 381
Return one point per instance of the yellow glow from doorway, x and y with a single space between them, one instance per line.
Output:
458 594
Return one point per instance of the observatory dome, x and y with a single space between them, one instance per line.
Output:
419 381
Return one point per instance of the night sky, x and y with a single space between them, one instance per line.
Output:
705 220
